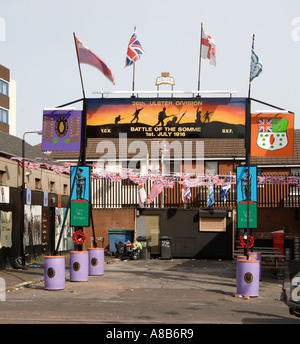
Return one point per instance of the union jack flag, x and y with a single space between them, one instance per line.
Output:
293 180
114 178
34 165
168 183
41 159
138 180
134 51
58 169
185 193
20 160
156 178
261 180
265 125
182 175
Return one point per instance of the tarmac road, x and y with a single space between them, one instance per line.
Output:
176 291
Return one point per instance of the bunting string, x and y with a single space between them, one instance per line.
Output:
189 180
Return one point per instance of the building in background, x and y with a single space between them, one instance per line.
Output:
46 184
7 102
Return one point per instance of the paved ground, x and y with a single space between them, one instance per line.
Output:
176 291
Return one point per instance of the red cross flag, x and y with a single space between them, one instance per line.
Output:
208 48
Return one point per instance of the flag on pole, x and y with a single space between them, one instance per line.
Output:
134 51
256 66
226 188
85 55
142 195
208 48
185 193
210 197
155 191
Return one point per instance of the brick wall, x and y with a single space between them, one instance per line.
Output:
273 219
105 219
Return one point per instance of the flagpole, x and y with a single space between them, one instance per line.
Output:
83 92
248 145
83 139
200 57
249 90
133 77
133 69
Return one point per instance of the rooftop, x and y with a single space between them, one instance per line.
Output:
217 149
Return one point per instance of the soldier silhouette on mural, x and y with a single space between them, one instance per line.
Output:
198 117
80 184
161 117
246 185
173 122
118 119
206 116
136 115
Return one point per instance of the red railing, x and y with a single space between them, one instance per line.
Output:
124 194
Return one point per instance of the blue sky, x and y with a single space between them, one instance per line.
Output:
39 49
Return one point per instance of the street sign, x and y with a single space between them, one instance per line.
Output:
80 196
246 193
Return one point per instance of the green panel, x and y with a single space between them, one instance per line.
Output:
242 215
79 213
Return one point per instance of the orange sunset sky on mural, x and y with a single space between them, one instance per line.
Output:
149 113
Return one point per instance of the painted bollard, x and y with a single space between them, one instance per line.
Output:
54 272
96 261
239 258
79 269
256 256
248 278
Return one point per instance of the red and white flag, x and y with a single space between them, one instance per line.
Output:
85 55
142 195
208 48
155 191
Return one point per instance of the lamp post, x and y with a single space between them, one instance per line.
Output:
23 196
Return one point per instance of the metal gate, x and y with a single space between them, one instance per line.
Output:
148 225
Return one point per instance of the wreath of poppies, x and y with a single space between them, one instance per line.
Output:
78 238
243 243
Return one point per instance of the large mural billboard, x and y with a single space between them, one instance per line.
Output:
166 117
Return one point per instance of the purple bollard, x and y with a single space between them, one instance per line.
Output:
79 269
54 272
248 277
239 258
96 261
256 256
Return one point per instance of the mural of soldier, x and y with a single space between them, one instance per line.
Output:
80 184
118 119
198 117
246 185
206 116
161 117
136 115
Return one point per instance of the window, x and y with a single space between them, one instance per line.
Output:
211 167
66 188
295 171
2 177
4 88
52 186
132 164
212 224
38 184
3 116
